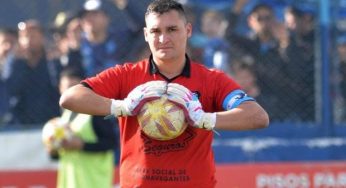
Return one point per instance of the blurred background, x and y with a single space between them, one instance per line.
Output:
290 55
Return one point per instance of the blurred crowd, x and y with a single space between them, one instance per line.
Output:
271 55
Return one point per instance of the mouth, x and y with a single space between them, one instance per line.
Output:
164 48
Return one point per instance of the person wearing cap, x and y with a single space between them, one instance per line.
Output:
101 47
31 79
66 32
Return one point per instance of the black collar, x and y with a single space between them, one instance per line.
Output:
155 70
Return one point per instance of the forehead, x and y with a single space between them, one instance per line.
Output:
29 31
3 35
262 11
170 18
93 13
6 37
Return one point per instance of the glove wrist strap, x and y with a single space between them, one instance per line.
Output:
117 108
208 121
113 106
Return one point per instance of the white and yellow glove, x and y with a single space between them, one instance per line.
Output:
188 100
137 97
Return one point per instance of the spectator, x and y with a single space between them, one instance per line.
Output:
100 47
301 23
197 41
244 73
215 53
33 95
8 41
86 159
299 56
133 11
67 37
237 16
264 45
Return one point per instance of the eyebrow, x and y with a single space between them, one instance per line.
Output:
167 27
172 27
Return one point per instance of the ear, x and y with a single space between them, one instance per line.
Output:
145 32
189 30
250 21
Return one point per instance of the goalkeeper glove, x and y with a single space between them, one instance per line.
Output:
137 97
189 101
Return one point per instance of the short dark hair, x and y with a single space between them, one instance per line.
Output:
163 6
9 31
31 24
259 6
71 73
299 11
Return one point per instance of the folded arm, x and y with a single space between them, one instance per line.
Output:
248 115
82 99
242 112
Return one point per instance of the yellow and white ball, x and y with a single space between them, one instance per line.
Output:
161 119
54 132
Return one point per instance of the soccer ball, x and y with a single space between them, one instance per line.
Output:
161 119
54 132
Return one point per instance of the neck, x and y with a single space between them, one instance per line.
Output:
265 37
171 68
254 91
33 57
98 37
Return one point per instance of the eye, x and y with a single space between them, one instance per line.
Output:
154 31
172 29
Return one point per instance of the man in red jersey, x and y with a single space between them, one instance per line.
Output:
212 100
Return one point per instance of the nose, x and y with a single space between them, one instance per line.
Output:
163 38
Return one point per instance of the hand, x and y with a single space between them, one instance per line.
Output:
281 33
72 143
137 97
196 115
179 94
51 151
121 4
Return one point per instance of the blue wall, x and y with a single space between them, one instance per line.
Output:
282 142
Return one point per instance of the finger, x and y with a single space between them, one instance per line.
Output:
152 94
155 89
179 90
178 101
178 94
159 85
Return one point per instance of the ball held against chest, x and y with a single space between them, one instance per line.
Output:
161 119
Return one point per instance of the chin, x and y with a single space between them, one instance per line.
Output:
163 56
